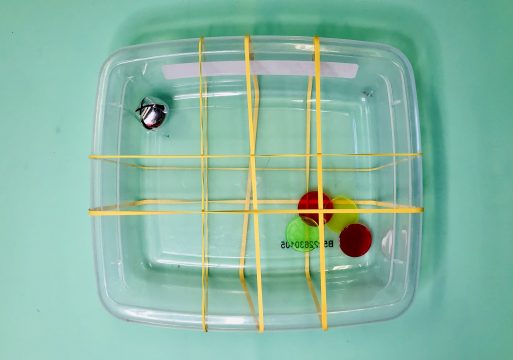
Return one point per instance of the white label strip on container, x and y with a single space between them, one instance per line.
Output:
259 67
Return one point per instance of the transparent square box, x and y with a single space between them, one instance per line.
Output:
173 209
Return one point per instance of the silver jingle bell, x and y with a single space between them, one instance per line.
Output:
152 112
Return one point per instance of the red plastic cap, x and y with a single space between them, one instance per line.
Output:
309 201
355 240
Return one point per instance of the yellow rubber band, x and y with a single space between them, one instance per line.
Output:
396 210
205 144
245 222
307 181
225 156
253 183
260 201
204 206
322 255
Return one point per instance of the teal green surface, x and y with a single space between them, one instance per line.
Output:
50 57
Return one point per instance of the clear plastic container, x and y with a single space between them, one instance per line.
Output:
153 219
